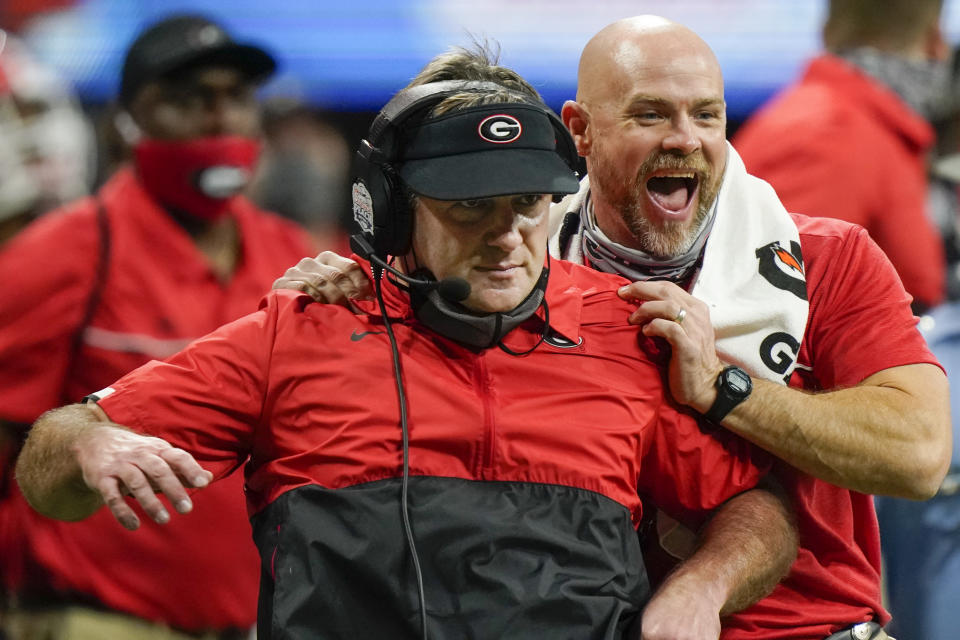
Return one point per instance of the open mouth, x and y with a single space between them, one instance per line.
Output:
673 192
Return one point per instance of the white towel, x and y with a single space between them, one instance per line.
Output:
752 277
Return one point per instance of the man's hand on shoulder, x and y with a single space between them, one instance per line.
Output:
669 312
329 278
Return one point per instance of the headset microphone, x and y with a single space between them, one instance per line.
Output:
450 289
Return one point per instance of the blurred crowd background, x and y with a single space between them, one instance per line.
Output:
338 63
61 134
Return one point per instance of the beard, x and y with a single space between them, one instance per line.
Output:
658 238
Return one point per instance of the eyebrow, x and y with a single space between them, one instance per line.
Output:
643 99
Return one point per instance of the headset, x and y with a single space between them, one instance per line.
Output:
380 202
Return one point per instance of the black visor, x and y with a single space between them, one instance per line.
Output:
484 152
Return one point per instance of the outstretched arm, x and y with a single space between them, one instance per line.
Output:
740 556
75 460
889 435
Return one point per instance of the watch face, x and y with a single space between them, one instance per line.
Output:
738 382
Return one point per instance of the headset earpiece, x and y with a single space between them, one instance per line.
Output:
380 205
399 232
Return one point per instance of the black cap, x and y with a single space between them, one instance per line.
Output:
183 42
485 151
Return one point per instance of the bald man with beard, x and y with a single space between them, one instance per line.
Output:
624 92
793 332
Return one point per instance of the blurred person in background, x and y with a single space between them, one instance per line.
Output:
304 171
47 157
165 252
851 138
945 176
921 540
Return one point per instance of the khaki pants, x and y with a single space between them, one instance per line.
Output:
80 623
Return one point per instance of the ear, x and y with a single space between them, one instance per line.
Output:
577 121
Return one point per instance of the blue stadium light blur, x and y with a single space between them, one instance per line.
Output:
353 55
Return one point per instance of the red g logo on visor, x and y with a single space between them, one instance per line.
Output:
500 128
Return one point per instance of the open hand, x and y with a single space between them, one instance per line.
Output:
117 462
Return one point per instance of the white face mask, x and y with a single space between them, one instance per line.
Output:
54 140
62 140
18 191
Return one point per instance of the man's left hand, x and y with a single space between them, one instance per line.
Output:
329 278
669 312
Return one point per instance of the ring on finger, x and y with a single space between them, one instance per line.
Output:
681 315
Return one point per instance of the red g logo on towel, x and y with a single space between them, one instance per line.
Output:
782 268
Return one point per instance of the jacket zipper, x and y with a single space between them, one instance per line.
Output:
485 393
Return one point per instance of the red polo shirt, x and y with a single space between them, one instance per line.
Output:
859 324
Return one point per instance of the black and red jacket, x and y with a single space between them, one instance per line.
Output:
524 470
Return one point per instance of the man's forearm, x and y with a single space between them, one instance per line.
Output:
889 435
742 553
745 549
750 544
47 469
76 459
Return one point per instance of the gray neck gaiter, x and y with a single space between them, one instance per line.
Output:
606 255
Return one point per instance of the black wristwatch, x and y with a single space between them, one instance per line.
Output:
733 387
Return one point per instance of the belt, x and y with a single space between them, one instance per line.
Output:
862 631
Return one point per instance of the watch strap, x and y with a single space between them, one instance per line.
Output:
727 396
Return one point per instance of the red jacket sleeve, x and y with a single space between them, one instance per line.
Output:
688 469
207 399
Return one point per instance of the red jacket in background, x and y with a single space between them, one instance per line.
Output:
838 144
